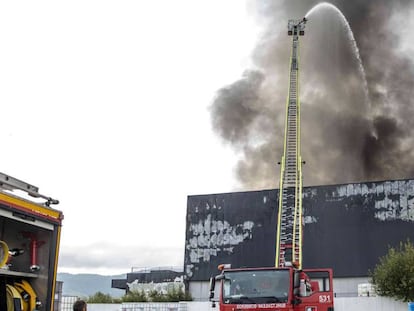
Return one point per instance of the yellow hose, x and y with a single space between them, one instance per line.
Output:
25 289
14 299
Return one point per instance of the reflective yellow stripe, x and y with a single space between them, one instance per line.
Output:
35 208
56 266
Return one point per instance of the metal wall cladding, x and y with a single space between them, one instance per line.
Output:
347 227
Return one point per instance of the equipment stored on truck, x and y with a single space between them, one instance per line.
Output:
29 246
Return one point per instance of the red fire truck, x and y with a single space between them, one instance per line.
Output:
286 286
273 289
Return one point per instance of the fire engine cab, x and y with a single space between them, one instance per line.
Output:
286 288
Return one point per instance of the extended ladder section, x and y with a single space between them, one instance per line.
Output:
10 183
289 229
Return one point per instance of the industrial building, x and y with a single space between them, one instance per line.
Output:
149 278
347 227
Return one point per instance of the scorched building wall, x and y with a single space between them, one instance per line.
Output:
347 227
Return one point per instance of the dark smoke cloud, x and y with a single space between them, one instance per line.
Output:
345 138
237 106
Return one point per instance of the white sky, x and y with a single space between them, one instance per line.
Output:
104 106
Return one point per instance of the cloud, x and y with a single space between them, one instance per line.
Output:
106 257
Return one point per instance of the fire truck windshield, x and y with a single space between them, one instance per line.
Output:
255 286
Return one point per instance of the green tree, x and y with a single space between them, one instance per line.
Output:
173 295
156 296
176 294
100 297
394 275
135 296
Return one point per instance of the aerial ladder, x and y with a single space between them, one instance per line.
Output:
286 286
289 223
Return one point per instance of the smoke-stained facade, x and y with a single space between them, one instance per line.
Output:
347 227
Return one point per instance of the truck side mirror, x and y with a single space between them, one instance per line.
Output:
296 283
212 286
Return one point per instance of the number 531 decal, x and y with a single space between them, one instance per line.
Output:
325 298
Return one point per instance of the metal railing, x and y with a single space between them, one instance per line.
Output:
66 304
136 306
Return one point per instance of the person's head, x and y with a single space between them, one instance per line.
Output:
79 305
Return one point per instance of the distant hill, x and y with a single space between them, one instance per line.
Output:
85 285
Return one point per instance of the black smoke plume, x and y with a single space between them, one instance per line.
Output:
345 136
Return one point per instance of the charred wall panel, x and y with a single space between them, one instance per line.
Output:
347 227
237 228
